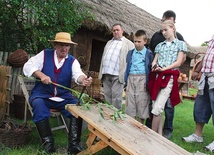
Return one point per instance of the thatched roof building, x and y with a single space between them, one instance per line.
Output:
93 35
109 12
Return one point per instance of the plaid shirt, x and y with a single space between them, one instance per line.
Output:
111 59
208 63
168 54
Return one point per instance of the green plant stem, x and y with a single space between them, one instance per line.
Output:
86 100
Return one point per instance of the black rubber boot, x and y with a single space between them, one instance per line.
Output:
74 135
46 136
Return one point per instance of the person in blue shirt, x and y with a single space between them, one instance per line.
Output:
138 67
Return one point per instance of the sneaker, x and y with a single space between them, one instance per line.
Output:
210 147
193 138
167 134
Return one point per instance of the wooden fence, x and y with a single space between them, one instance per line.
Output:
13 84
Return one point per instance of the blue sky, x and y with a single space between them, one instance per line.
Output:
195 18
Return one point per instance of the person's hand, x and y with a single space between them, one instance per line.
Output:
195 76
87 81
46 79
157 67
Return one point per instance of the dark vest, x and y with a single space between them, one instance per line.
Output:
62 76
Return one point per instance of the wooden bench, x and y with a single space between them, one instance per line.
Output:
126 136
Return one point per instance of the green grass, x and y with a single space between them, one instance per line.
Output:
192 91
183 126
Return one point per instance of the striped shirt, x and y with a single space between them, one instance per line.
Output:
168 54
208 63
111 60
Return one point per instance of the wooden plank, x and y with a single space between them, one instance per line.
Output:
94 148
107 141
9 77
90 139
1 56
127 134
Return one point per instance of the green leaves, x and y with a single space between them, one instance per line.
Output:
86 102
31 23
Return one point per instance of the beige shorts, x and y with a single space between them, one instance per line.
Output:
137 97
159 104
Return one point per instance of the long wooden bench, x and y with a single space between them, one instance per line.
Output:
126 136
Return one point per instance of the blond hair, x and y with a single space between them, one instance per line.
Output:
171 24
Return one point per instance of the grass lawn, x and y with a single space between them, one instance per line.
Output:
183 126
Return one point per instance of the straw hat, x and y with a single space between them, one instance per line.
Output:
63 37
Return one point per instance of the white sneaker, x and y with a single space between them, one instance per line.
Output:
210 147
193 138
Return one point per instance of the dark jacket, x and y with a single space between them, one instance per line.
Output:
158 37
148 62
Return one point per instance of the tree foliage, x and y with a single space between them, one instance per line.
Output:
28 24
204 44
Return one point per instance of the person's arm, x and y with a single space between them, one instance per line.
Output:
154 62
35 63
44 78
180 37
34 66
84 80
184 58
79 76
176 64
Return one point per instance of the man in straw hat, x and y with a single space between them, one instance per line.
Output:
55 65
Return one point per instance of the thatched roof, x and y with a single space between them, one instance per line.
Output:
200 49
132 18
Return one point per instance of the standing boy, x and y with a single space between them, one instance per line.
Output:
136 77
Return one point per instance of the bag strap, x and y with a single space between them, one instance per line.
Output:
195 58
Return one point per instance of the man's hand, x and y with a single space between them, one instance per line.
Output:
195 76
87 81
46 79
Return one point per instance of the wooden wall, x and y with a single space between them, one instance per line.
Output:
86 46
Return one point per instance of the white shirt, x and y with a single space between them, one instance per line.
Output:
36 63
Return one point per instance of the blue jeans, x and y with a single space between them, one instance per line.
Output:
169 116
204 105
